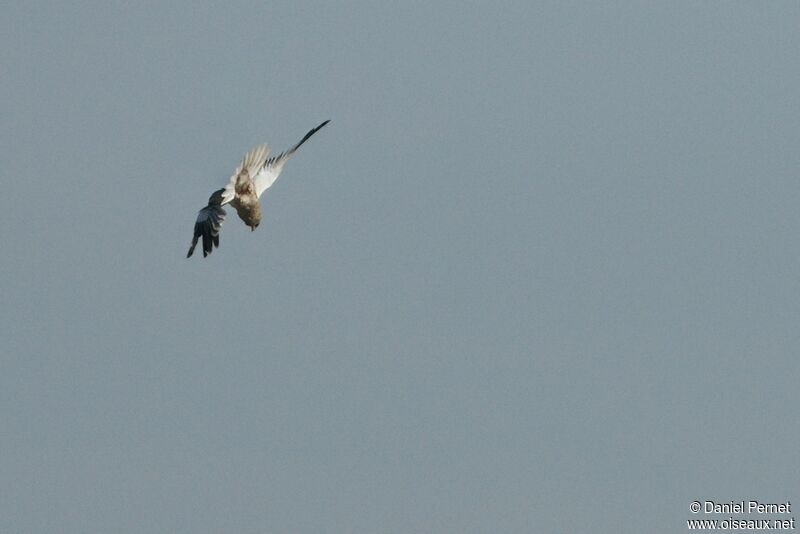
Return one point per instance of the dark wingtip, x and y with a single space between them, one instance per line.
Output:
208 225
304 139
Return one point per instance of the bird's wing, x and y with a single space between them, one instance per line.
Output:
208 224
269 173
251 164
272 168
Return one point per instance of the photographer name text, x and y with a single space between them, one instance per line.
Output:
746 507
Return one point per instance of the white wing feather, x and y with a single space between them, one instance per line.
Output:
253 162
268 174
272 168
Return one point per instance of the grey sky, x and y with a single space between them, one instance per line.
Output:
539 274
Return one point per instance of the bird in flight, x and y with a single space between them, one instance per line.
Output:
254 175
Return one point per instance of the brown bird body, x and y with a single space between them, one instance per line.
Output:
246 201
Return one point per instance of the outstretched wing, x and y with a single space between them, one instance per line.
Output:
208 224
272 168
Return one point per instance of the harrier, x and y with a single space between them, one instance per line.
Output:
254 175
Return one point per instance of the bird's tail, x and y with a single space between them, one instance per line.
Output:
304 139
